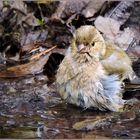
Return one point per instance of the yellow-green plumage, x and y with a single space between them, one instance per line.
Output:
83 77
116 61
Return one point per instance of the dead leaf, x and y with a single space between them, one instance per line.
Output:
108 26
32 67
92 7
18 5
59 10
111 30
29 19
42 53
121 12
28 47
72 7
124 39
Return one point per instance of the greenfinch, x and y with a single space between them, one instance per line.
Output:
91 72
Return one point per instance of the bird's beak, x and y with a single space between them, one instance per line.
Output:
83 49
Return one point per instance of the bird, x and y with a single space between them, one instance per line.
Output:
84 77
116 61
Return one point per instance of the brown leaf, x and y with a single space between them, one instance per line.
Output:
28 47
42 53
92 7
32 67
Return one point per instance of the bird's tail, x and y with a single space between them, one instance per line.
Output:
112 92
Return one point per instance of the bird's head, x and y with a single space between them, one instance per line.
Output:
88 43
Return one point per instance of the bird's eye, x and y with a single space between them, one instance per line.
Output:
93 44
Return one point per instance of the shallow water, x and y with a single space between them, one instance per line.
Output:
29 108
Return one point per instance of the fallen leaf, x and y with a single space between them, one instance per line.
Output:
111 32
28 47
59 10
87 8
108 26
121 12
29 19
42 53
124 39
20 5
33 36
92 7
32 67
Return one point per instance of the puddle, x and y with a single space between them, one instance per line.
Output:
31 109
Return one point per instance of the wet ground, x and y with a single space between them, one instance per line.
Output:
29 108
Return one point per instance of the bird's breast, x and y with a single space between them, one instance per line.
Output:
77 83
